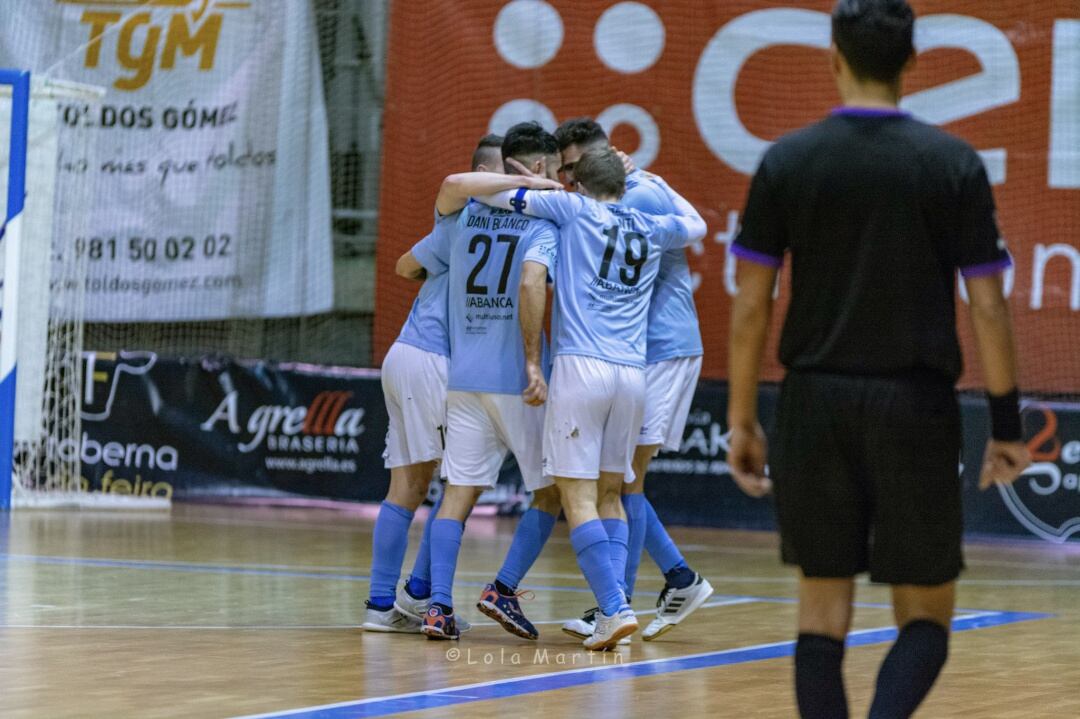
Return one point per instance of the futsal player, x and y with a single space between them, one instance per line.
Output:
878 212
609 257
486 251
673 364
534 151
414 388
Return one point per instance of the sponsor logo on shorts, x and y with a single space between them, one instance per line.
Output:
1046 498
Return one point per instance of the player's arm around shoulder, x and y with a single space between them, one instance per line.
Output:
456 189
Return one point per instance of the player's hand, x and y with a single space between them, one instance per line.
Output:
747 460
520 169
627 161
1003 463
533 181
535 393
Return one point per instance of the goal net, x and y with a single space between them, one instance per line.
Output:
45 160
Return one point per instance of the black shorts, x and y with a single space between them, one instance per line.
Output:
866 475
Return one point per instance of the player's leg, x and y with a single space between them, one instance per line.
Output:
824 517
669 393
521 428
582 394
473 458
633 500
414 595
414 385
619 439
911 459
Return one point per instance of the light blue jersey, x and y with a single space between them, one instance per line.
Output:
673 330
426 326
609 257
485 248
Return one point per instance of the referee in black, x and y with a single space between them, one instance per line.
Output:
878 212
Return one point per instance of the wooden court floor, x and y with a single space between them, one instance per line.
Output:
222 612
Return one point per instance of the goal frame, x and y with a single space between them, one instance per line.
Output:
11 245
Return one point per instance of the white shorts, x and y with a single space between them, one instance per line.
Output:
594 414
414 386
669 391
481 428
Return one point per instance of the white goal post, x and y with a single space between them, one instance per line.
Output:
47 160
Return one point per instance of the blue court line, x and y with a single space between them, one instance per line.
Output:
505 688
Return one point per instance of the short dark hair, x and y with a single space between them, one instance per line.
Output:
528 138
580 131
486 144
874 36
601 172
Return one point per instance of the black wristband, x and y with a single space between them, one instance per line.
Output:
1005 417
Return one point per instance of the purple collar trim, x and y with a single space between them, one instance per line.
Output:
869 112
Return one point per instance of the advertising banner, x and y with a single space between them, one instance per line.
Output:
220 429
210 179
698 91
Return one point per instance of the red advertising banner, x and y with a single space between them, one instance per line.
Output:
697 91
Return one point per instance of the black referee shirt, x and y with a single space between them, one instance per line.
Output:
879 211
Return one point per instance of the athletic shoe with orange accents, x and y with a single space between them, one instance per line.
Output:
438 625
506 610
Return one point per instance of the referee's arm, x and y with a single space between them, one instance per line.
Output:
1006 455
750 313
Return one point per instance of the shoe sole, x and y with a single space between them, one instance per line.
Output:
575 635
388 630
694 606
492 612
437 634
623 631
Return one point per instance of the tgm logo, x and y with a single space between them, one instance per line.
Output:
145 41
326 425
1046 498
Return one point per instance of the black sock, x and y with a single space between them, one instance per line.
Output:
445 609
503 589
819 681
380 607
909 669
680 576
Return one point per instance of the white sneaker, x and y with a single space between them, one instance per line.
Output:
609 630
675 605
390 621
415 608
583 628
409 605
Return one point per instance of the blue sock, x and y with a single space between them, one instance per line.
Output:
634 504
618 533
658 543
445 545
419 584
388 545
532 533
592 546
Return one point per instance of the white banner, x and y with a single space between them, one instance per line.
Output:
211 181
